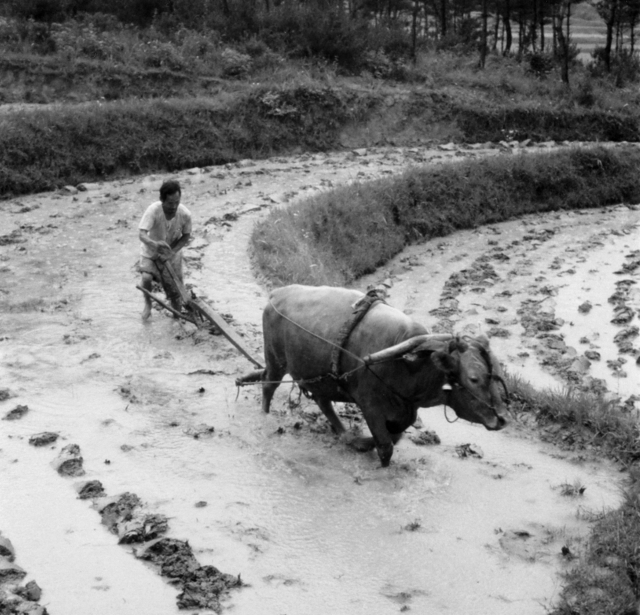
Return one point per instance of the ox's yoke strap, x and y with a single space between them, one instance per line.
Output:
360 309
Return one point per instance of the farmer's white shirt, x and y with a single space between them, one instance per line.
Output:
160 229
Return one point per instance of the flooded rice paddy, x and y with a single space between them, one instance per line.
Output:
309 525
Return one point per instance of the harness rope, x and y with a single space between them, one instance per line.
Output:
360 310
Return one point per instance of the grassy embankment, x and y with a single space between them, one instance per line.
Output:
46 148
42 149
336 237
341 235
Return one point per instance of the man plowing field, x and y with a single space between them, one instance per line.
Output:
165 228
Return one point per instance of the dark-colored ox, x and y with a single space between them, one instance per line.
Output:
389 365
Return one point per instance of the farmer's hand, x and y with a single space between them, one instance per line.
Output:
164 250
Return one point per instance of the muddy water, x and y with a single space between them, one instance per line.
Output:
310 525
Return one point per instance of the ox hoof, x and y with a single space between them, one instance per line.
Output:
385 457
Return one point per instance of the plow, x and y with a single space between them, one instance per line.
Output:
196 311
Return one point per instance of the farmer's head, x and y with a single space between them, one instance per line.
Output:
170 193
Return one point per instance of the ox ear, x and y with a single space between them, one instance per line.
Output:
483 340
444 362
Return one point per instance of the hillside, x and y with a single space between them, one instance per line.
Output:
84 101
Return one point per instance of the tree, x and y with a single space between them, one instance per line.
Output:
562 12
483 38
608 11
628 16
506 20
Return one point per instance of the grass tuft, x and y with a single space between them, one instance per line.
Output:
572 490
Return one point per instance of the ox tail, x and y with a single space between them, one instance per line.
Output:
251 378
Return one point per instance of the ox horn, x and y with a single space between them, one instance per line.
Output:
425 341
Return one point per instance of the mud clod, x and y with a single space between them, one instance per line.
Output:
44 438
91 489
626 334
31 591
469 450
201 586
628 267
14 598
119 510
143 529
425 437
69 461
17 413
204 586
6 549
622 315
10 572
174 557
585 307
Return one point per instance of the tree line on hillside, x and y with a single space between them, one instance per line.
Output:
342 31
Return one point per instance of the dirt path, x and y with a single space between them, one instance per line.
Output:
304 521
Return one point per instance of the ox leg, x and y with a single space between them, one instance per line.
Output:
271 381
385 451
383 439
384 446
327 409
359 443
268 390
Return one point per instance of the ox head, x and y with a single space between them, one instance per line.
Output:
473 381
